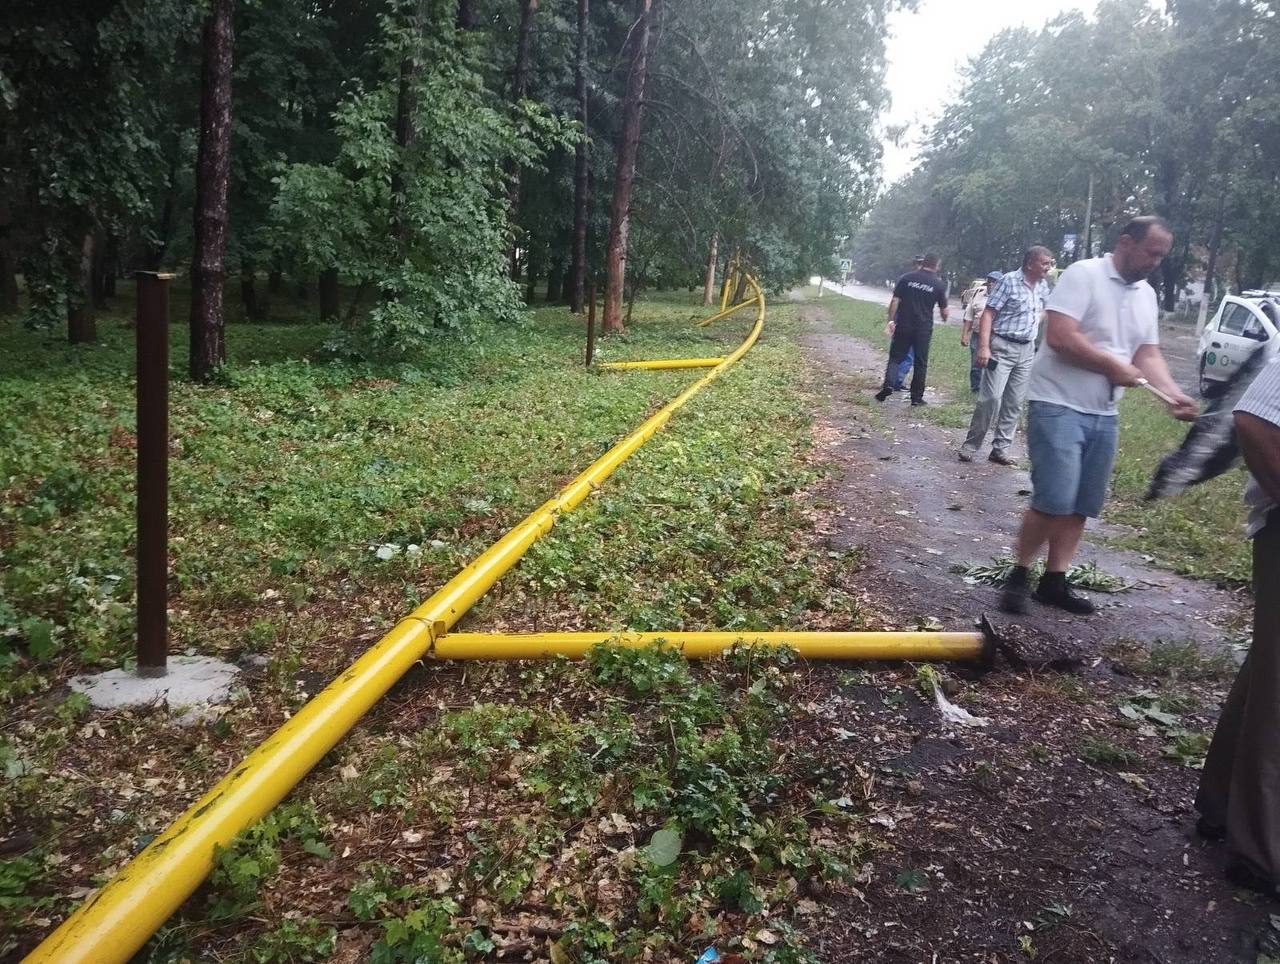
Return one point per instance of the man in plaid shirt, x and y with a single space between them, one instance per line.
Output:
1007 333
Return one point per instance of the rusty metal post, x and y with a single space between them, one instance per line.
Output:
153 472
591 320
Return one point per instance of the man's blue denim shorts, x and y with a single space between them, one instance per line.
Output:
1071 458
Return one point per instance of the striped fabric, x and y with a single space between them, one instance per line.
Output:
1263 400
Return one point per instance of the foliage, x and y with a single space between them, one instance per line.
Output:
418 220
243 866
1127 97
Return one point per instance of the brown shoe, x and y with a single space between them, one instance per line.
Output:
999 458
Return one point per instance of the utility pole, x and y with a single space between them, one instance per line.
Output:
1088 221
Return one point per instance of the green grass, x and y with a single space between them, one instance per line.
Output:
314 502
1199 533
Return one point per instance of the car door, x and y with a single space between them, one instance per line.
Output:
1241 331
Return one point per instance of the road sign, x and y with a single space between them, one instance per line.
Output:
1069 244
845 265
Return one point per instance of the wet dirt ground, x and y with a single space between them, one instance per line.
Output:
1019 840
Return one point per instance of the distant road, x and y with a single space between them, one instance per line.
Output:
877 295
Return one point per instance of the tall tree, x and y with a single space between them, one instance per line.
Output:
582 166
519 88
208 351
625 173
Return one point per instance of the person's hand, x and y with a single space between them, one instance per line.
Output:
1125 374
984 356
964 339
1184 408
888 329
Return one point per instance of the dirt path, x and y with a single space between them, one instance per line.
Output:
918 511
1062 831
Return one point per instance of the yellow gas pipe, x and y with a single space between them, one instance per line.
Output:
663 364
112 924
926 647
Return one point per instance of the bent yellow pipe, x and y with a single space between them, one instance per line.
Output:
661 364
118 919
923 647
725 312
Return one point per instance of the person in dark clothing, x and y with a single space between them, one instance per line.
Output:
911 325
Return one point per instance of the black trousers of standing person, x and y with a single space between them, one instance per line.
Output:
1240 782
908 335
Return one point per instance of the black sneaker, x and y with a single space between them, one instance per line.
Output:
1243 875
1054 591
1014 598
883 394
999 458
918 401
1210 831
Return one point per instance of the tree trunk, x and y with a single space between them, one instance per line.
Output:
555 281
249 292
582 164
8 275
101 271
519 87
329 294
1211 266
709 286
740 292
624 179
82 326
466 15
112 267
532 270
213 164
275 279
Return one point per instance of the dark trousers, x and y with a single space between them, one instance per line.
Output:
914 337
1240 783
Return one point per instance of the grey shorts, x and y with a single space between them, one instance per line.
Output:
1071 459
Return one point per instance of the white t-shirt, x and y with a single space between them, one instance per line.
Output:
1116 316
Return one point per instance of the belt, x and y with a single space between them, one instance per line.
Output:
1016 341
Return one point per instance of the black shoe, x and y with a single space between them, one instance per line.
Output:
883 394
1014 598
1054 591
1210 831
918 401
999 458
1243 875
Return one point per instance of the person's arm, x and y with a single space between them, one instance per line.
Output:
893 311
1260 443
984 336
1150 361
1063 334
943 305
966 329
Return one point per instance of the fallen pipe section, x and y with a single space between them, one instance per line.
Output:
925 647
116 921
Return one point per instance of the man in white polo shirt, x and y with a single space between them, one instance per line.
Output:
1101 334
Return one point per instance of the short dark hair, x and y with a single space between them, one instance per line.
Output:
1035 251
1139 227
930 261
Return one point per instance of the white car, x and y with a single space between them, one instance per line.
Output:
1241 326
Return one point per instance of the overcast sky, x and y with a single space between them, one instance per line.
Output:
927 49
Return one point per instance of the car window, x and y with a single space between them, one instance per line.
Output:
1253 328
1234 319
